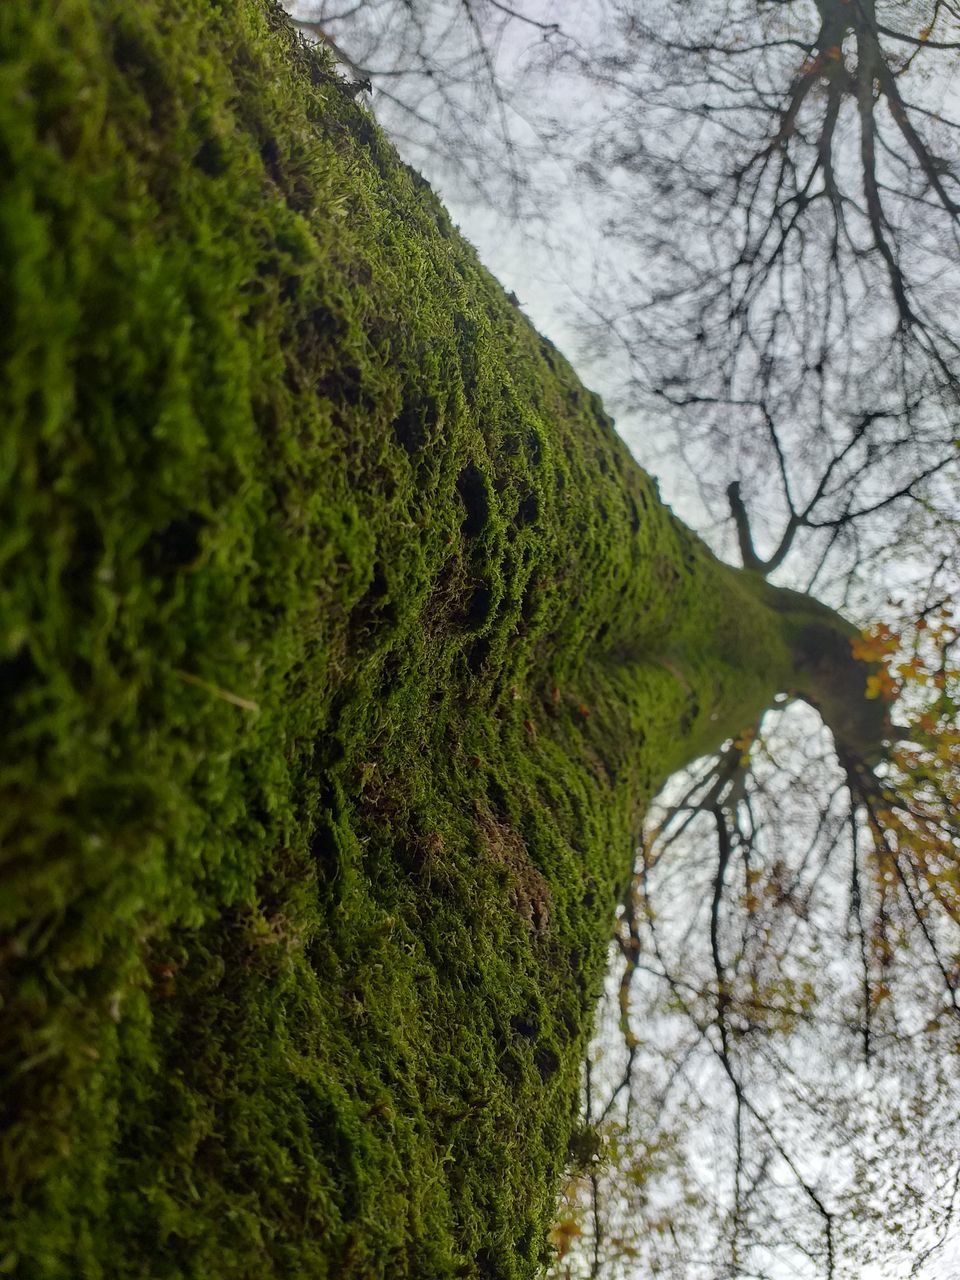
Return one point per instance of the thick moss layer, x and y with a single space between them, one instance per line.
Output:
341 645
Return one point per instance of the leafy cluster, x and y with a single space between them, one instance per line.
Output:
911 811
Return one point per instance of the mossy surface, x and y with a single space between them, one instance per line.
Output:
341 646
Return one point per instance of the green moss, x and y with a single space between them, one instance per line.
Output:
341 646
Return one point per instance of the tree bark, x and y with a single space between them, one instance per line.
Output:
344 645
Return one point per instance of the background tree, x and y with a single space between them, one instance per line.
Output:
774 285
792 968
774 267
790 241
446 76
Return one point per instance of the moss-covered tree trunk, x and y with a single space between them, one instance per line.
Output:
342 645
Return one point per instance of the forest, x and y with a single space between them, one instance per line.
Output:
423 855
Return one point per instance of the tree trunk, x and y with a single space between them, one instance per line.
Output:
343 645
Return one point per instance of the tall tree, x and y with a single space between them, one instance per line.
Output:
344 646
777 190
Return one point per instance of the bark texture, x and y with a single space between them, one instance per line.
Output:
342 645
